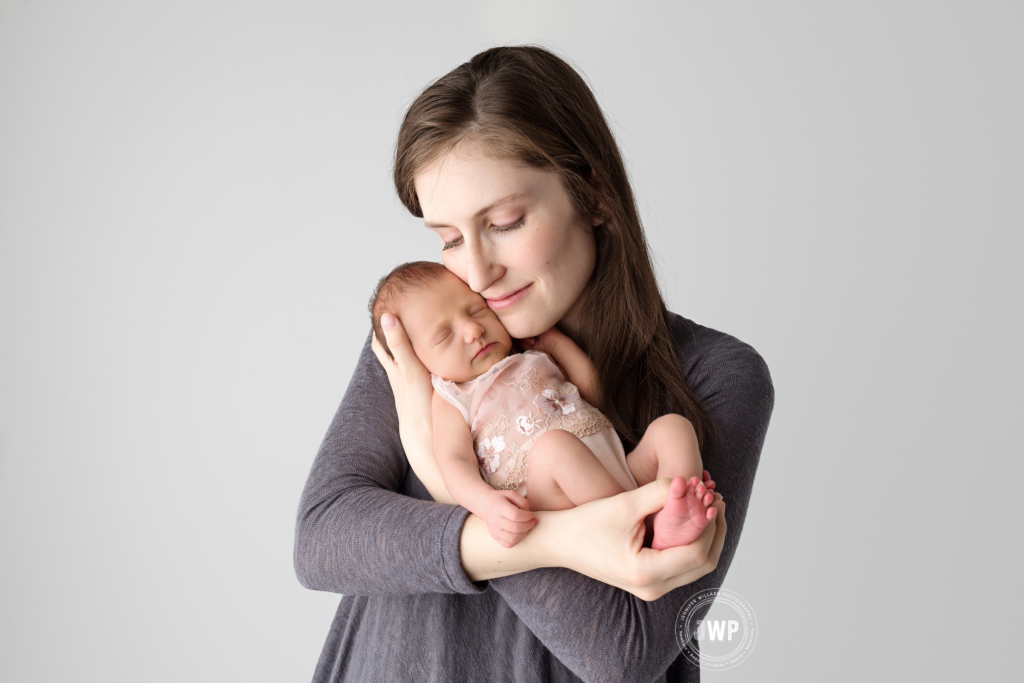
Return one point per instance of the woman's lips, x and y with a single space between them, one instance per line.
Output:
511 299
484 350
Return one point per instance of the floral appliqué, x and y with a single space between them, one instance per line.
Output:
507 470
487 453
554 402
541 400
526 424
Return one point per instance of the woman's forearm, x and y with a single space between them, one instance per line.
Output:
578 539
484 558
353 515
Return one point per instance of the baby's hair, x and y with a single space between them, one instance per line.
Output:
393 285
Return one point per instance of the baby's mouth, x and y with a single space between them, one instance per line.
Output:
484 350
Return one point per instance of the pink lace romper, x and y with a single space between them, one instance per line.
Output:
522 396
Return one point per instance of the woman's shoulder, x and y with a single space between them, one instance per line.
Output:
713 361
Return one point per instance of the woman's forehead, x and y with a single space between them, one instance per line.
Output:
462 185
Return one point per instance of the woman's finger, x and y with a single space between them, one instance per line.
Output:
672 561
685 564
382 355
399 344
649 498
708 566
720 528
717 542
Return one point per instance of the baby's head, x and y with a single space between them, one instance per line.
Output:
450 327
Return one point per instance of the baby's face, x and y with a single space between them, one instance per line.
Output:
452 330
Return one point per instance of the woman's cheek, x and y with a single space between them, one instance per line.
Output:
453 264
515 325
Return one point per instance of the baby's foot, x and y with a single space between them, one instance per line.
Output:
685 514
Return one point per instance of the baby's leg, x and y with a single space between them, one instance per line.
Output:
564 473
669 449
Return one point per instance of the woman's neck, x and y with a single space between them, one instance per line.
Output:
570 322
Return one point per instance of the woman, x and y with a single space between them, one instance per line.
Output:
509 160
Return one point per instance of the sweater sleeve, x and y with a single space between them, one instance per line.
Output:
356 532
603 633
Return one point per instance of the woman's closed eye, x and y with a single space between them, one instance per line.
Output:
497 228
508 228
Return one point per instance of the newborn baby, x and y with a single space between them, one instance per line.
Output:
511 425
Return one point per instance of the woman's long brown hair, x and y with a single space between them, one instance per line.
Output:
525 103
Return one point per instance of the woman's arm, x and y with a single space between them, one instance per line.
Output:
609 556
596 629
359 530
602 633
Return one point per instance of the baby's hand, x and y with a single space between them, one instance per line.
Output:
545 342
508 517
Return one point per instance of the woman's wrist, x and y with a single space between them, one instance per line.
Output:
542 543
417 428
484 558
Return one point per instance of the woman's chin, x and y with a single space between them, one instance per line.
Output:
523 326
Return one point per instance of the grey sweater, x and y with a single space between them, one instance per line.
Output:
367 528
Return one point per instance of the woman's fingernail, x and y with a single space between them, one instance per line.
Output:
387 321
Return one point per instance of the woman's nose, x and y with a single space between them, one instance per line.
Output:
482 271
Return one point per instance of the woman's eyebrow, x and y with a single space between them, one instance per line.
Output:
481 212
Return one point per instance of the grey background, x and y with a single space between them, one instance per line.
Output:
195 203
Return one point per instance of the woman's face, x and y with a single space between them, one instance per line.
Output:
509 231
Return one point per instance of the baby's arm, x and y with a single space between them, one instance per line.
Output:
507 513
577 365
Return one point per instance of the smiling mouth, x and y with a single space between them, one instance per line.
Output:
505 302
484 350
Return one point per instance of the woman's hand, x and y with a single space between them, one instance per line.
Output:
410 383
603 539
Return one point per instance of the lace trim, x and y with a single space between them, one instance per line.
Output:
504 463
580 424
